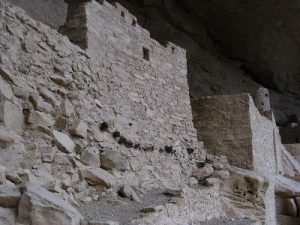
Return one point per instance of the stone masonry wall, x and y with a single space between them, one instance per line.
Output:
263 143
58 87
149 93
223 123
232 126
61 111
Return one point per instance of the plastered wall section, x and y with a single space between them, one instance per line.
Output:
224 125
232 126
262 141
150 83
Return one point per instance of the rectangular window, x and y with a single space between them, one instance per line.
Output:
146 54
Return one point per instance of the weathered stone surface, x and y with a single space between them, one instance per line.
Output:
49 96
67 108
210 182
203 172
245 192
284 220
12 116
103 223
129 192
97 176
38 206
63 141
2 175
175 192
222 175
40 118
40 104
47 153
9 196
90 157
245 138
52 13
113 160
53 186
286 187
297 200
7 216
286 206
61 123
5 90
123 78
294 149
8 136
79 129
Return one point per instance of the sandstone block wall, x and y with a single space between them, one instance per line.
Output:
67 110
223 123
263 141
232 126
141 112
148 81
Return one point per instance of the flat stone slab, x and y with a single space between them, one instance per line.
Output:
9 196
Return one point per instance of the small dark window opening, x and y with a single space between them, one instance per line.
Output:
266 95
134 23
173 50
122 14
104 126
169 149
146 54
262 104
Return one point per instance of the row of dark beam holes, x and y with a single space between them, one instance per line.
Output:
127 143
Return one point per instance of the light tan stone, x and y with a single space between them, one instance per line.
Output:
9 196
79 129
127 191
63 141
98 176
40 118
5 90
113 160
90 157
67 108
53 209
8 216
12 116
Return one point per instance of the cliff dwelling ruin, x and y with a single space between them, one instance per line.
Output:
104 122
